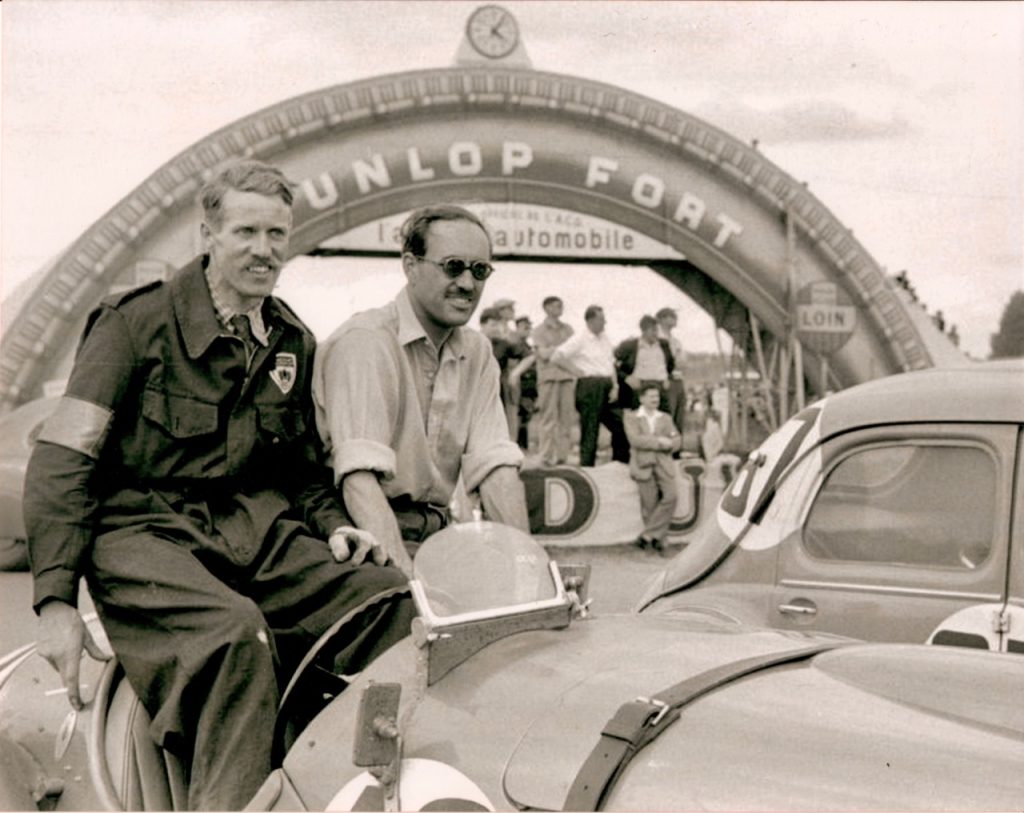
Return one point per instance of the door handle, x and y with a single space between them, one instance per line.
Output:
798 609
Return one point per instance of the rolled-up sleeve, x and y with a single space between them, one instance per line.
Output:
357 402
488 446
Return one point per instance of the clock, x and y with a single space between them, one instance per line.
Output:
492 31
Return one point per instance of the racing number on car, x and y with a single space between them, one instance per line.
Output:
736 501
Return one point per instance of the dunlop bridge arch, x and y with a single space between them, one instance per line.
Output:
373 148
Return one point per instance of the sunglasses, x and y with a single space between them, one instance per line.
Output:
454 267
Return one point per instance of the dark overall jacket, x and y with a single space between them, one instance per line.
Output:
162 412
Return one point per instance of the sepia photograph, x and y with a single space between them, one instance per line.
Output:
562 405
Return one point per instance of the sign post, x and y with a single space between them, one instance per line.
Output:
825 320
825 317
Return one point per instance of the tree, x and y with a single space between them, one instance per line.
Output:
1009 341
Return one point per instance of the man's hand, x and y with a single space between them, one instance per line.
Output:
353 544
62 636
369 509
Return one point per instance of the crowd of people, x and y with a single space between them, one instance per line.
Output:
566 381
560 378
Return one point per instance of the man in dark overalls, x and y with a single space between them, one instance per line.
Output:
180 474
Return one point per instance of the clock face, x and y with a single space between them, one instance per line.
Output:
492 31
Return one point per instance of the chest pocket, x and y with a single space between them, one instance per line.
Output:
281 422
179 416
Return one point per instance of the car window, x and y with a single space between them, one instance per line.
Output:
914 504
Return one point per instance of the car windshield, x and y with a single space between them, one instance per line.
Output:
480 566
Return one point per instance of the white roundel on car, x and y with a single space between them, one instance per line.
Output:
972 627
425 784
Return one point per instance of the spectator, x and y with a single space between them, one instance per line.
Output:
644 360
589 356
652 439
508 353
522 383
555 386
506 309
676 401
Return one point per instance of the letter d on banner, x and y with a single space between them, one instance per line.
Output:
561 502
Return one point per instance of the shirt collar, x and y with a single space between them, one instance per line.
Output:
225 313
410 330
195 312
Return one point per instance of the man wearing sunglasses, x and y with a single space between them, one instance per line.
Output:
408 398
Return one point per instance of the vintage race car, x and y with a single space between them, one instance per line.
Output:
892 511
509 695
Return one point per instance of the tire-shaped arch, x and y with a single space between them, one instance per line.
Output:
658 170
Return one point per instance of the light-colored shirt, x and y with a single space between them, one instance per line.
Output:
650 362
591 355
546 335
650 417
389 402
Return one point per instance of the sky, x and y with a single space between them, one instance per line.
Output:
905 119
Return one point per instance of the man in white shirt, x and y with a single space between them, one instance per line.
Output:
590 357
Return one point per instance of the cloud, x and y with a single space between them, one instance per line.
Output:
803 121
1010 259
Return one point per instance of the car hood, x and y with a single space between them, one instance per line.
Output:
860 726
865 726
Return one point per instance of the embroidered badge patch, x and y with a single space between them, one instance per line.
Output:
284 372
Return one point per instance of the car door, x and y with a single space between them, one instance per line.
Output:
905 527
1013 622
